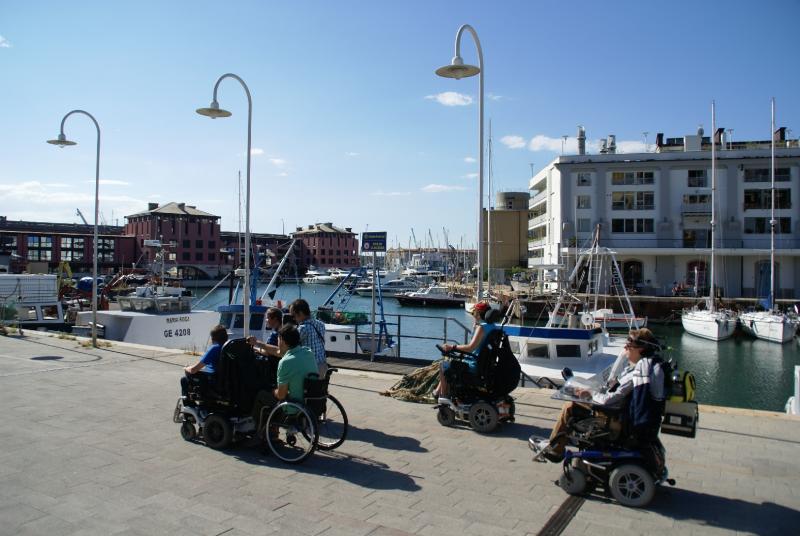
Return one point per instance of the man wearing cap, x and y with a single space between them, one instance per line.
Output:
482 331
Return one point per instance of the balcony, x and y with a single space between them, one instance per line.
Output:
537 199
538 220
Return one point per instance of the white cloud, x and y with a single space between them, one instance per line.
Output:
57 185
439 188
154 196
470 176
541 142
451 98
390 194
109 182
469 160
277 162
35 193
492 96
513 142
352 154
255 151
4 42
282 174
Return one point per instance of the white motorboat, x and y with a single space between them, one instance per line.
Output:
770 325
390 288
710 323
432 296
608 319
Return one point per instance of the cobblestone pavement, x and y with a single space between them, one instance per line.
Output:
88 447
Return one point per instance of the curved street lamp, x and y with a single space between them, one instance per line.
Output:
214 111
62 142
458 70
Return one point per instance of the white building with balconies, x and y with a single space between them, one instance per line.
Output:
654 210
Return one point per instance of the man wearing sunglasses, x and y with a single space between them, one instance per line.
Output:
639 377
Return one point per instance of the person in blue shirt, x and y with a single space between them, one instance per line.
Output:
270 346
207 364
482 330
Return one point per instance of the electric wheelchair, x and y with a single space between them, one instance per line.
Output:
237 403
483 400
609 451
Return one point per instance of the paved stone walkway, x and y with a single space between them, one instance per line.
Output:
88 447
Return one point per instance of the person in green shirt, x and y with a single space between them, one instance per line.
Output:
296 363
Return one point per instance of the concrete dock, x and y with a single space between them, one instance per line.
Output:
88 446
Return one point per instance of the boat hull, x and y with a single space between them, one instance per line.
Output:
768 326
423 301
705 324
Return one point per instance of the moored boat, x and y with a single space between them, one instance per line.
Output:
433 296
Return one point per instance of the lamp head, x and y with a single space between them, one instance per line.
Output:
457 69
213 111
61 141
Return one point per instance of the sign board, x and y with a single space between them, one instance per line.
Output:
152 243
373 241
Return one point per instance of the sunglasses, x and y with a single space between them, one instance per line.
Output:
633 343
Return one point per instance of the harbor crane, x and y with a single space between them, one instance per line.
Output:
416 244
79 213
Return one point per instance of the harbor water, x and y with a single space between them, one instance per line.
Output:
738 372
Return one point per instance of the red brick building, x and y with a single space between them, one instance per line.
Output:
31 244
326 246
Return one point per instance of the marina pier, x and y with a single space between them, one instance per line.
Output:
90 448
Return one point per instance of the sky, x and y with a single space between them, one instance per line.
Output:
350 123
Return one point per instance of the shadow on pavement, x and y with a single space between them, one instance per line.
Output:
357 470
521 431
725 513
384 441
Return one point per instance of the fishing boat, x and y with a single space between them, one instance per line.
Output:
770 324
710 322
35 300
596 272
432 296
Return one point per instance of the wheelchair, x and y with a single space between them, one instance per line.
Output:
238 404
627 462
483 400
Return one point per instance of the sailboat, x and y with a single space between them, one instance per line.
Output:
710 323
770 325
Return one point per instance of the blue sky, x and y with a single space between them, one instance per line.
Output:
350 123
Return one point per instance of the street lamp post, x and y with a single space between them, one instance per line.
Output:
457 69
214 111
62 141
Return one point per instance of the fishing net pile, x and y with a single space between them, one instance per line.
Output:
416 386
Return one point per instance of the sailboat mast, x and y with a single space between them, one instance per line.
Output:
712 305
489 216
772 221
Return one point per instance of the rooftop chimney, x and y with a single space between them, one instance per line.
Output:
581 140
718 134
659 140
152 206
182 206
612 144
779 134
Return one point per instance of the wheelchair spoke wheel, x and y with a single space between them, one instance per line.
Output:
483 417
632 485
217 432
332 425
291 432
188 431
446 416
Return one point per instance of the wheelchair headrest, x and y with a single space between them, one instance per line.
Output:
493 316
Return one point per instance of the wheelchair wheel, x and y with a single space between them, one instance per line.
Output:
446 416
483 417
291 433
332 425
188 431
631 485
217 432
573 481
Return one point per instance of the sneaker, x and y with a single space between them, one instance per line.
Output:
552 456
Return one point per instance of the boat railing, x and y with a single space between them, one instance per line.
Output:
453 332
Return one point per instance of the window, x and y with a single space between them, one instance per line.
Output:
537 350
40 248
212 244
696 199
8 242
212 257
198 244
568 350
761 225
632 201
536 253
537 233
72 248
584 178
584 225
632 225
762 199
763 175
632 273
584 201
697 178
632 177
105 249
186 256
198 256
187 243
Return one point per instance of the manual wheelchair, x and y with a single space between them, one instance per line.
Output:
238 403
483 400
